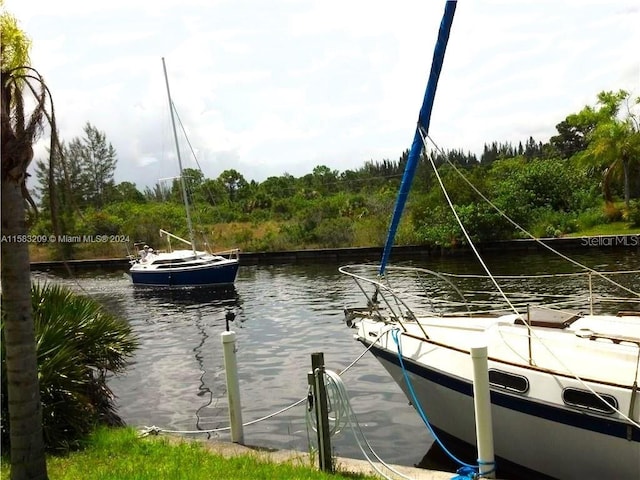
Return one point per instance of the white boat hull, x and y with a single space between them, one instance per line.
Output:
548 446
533 429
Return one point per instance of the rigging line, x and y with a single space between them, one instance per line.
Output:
531 331
185 135
193 153
464 230
537 276
530 235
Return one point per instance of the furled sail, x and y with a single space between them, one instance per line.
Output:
423 125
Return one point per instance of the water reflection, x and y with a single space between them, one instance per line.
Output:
197 297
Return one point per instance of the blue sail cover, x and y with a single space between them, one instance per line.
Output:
423 123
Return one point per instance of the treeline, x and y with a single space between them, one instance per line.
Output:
588 174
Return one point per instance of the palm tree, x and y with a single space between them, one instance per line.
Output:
19 132
614 143
619 143
79 343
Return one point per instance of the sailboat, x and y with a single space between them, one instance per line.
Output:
564 396
188 266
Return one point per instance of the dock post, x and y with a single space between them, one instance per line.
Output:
233 386
321 412
482 405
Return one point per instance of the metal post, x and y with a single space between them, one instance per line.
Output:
590 294
528 323
321 412
233 387
482 405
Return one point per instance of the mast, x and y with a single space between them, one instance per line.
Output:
424 119
182 182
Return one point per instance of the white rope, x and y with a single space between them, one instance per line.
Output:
512 222
464 230
154 430
344 415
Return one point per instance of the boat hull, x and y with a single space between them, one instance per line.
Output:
201 275
539 436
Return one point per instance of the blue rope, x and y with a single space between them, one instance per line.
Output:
467 470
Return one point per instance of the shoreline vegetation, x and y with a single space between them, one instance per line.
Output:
583 181
629 240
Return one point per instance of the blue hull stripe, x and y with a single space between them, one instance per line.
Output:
577 419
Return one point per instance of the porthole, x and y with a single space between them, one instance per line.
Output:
508 381
587 400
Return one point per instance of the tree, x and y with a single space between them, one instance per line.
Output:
97 160
66 179
193 179
21 85
159 193
126 192
212 191
234 183
325 180
614 143
86 177
61 180
572 136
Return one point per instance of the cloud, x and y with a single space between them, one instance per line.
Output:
282 86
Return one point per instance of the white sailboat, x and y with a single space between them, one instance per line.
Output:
183 267
564 382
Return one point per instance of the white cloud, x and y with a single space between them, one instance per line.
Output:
268 87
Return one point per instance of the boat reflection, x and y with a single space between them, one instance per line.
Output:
224 296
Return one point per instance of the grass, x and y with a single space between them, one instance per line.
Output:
613 228
119 454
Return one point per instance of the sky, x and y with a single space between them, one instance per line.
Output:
268 87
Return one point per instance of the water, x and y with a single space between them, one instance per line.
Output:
284 313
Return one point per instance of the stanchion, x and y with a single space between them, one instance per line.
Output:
482 405
316 381
233 387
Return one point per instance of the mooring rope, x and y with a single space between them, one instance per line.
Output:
155 430
344 416
465 467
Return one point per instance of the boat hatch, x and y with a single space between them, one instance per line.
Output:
587 400
543 317
508 381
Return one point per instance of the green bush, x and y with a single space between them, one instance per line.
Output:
334 232
552 224
633 214
78 344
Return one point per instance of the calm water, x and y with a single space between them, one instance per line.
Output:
283 313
